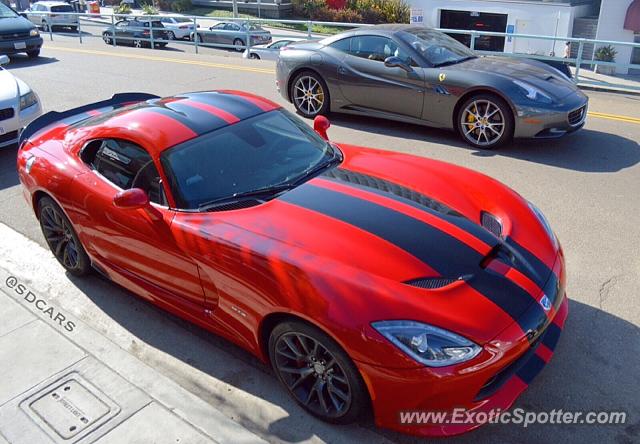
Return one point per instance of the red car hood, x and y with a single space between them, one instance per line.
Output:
382 220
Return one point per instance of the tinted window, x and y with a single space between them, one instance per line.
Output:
126 165
62 8
278 45
262 151
343 45
232 27
122 23
375 48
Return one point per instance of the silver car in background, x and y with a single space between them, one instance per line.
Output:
232 33
19 105
178 28
268 52
57 16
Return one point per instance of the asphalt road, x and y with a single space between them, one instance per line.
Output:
587 184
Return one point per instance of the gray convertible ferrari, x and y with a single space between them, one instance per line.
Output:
419 75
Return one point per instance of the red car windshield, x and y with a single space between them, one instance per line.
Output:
268 150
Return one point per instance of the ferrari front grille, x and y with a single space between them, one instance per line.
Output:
576 117
491 223
6 113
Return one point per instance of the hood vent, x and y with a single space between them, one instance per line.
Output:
375 183
431 283
491 223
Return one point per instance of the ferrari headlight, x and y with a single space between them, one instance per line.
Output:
27 100
34 33
545 223
428 345
533 93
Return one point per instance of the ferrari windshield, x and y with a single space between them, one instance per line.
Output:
267 152
6 12
437 48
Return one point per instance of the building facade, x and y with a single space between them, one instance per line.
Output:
601 20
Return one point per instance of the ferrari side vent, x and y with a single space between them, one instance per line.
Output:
491 223
431 283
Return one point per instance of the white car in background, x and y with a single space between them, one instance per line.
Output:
19 105
178 28
57 16
268 52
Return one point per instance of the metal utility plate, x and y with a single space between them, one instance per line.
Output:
71 406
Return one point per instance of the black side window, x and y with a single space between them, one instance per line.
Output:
126 165
343 45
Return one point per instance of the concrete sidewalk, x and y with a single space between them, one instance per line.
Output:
62 381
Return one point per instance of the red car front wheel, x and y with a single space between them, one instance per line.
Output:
318 374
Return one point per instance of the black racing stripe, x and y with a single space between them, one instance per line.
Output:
534 321
531 266
551 336
525 262
197 116
442 252
531 369
239 106
197 126
410 197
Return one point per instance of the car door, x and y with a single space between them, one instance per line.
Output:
366 82
122 32
138 243
232 32
36 18
214 35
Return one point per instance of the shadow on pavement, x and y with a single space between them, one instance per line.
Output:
23 61
8 173
586 150
595 368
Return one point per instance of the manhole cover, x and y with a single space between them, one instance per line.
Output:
70 407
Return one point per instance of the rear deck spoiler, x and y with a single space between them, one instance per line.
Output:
51 117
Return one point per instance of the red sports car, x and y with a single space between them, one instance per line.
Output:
371 281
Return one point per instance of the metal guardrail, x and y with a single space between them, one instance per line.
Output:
110 21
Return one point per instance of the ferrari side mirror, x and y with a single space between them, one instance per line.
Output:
132 199
396 62
321 124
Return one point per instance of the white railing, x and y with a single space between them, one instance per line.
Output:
304 29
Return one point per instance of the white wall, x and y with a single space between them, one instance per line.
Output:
539 18
610 27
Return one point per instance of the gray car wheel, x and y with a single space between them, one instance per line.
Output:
238 45
485 121
137 43
309 94
171 35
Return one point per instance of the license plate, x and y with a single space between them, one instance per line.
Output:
20 45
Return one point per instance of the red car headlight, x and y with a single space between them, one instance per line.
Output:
428 345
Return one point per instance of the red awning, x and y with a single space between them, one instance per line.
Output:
632 20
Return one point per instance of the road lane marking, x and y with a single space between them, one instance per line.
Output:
619 118
598 115
165 59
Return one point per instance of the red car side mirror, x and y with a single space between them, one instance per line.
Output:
321 124
132 199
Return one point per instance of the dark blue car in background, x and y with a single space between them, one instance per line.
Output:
17 34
